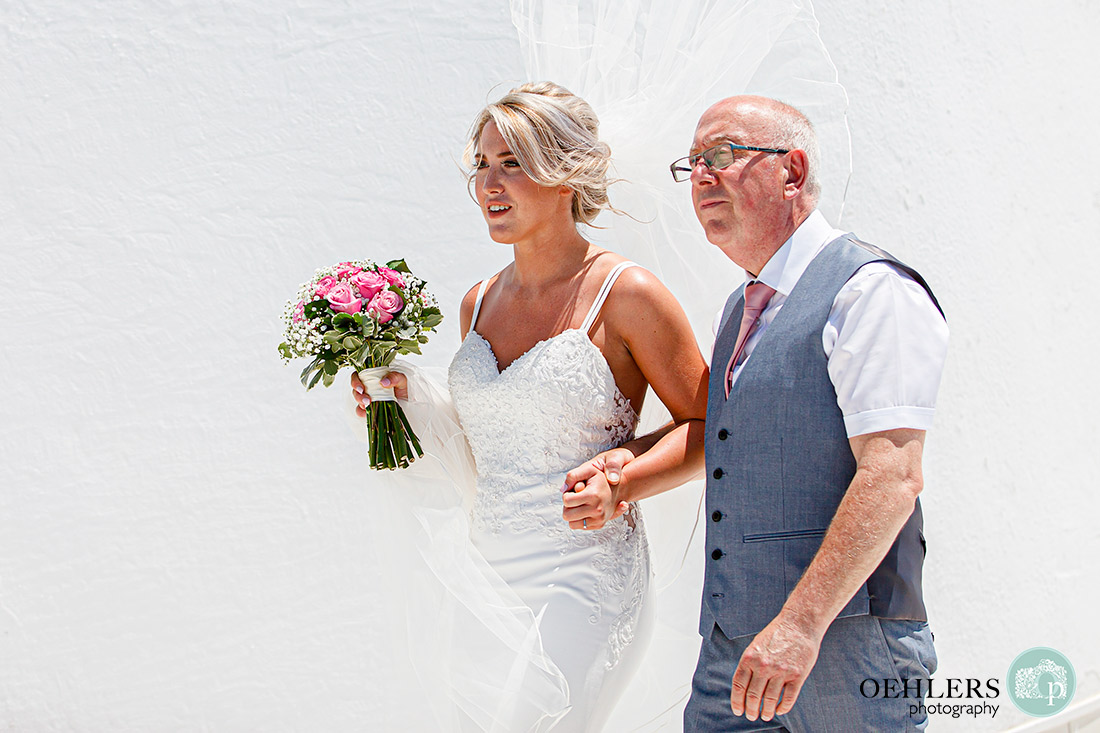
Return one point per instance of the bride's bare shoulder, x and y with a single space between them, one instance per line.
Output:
635 284
639 296
466 308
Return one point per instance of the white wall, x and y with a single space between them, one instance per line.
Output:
181 530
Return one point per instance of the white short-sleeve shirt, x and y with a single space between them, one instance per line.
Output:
885 341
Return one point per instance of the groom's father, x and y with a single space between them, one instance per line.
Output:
823 382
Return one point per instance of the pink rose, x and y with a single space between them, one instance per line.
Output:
341 298
300 311
392 276
324 285
368 283
345 270
385 306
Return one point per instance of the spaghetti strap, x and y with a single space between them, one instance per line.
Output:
605 289
477 303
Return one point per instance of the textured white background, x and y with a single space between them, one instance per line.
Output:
181 527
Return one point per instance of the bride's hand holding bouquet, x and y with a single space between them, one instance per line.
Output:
361 314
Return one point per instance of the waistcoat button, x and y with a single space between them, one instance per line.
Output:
718 473
717 516
723 434
717 554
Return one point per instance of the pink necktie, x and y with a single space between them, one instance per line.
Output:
757 295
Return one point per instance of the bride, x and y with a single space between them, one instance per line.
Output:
558 351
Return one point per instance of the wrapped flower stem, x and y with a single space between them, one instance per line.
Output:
391 440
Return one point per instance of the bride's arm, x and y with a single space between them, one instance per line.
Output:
655 330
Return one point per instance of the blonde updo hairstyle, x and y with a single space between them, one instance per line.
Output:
554 135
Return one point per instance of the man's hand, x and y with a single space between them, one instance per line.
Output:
393 379
590 492
775 665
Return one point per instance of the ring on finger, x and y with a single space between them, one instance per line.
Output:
584 522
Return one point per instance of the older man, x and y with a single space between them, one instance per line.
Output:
823 382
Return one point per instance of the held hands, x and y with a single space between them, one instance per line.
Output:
775 665
393 379
590 492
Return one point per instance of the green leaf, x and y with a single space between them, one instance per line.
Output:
351 343
422 339
431 320
309 370
315 308
398 265
284 350
330 368
334 340
328 379
411 346
342 320
313 382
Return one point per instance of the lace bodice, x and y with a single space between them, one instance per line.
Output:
553 408
550 410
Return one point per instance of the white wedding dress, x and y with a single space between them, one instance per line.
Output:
547 412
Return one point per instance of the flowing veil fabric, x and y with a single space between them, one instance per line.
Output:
650 68
465 652
475 658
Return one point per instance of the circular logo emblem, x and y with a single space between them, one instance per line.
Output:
1041 682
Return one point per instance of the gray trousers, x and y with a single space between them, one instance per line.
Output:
834 696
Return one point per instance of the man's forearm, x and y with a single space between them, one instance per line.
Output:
641 444
875 507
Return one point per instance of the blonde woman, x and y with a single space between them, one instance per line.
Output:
558 351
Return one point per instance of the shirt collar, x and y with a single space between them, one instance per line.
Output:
786 266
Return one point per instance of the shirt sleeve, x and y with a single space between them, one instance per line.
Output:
886 343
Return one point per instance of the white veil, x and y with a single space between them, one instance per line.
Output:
649 68
462 650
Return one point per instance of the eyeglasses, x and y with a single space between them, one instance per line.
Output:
716 158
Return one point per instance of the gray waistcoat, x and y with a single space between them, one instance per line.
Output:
779 462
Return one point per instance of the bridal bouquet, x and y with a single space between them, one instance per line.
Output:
361 314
